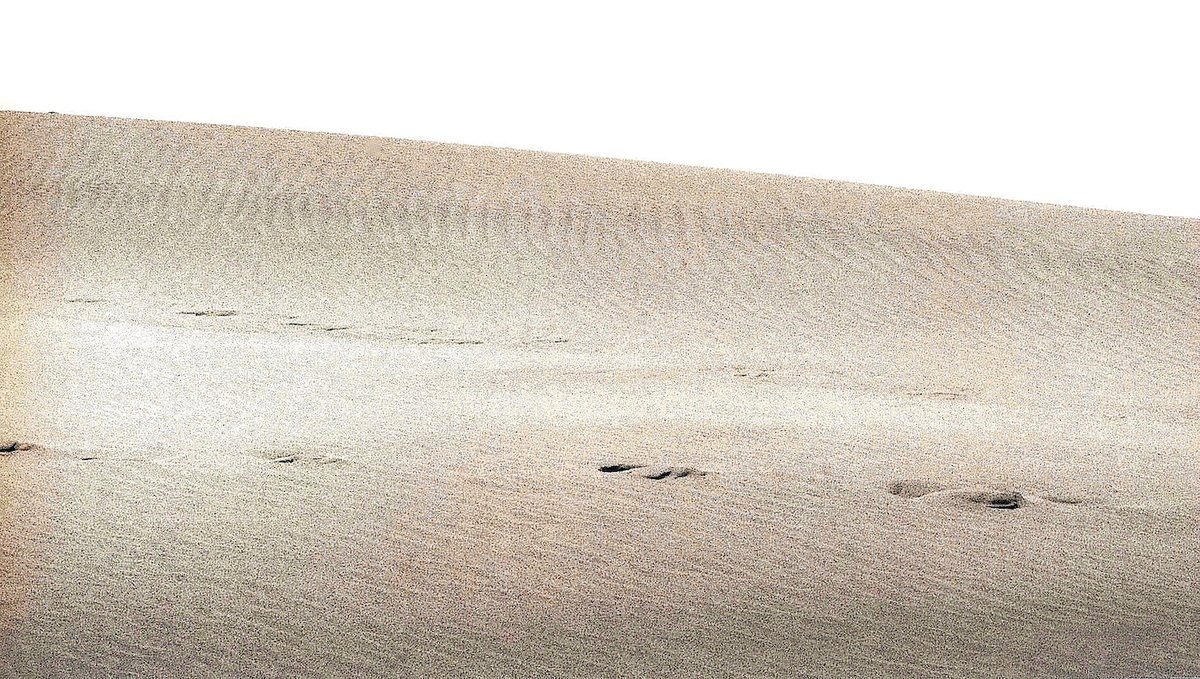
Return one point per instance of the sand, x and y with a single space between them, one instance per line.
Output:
290 404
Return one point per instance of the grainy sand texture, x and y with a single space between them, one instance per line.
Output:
281 404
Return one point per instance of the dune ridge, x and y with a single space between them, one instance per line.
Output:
296 404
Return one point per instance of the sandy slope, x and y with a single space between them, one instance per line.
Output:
322 405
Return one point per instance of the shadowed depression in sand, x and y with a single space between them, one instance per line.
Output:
290 404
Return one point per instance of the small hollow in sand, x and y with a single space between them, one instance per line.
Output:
1006 499
1063 499
9 446
673 473
913 488
209 312
619 467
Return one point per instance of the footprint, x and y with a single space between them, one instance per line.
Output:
938 395
665 473
209 312
317 326
305 459
449 340
1063 499
652 473
1000 499
11 447
913 488
620 467
752 373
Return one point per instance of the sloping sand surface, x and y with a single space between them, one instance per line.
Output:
287 404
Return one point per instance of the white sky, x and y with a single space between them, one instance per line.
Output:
1084 103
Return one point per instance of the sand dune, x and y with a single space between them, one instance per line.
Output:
288 404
